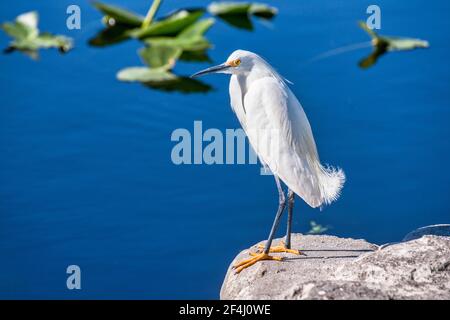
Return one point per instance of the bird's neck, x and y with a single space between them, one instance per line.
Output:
254 75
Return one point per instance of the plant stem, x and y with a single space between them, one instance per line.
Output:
151 13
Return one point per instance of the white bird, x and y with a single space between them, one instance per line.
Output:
279 132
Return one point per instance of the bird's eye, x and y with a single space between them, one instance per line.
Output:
237 62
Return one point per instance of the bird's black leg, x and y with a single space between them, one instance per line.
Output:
291 196
281 206
264 255
285 246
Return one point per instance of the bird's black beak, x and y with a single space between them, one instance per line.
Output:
214 69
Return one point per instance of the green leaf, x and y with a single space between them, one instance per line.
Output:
110 35
120 16
240 21
195 56
29 19
197 29
191 39
160 56
163 52
369 31
371 59
317 228
43 41
262 10
186 44
237 14
242 8
397 43
26 36
144 74
383 44
228 8
394 43
25 26
169 26
47 40
15 30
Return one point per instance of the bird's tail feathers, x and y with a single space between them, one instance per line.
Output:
331 180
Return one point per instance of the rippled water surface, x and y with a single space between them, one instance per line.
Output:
86 176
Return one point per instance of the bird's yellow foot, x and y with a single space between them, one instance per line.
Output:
254 259
280 249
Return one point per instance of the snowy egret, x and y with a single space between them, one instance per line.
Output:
278 130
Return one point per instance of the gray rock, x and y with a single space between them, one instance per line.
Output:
274 280
435 230
337 268
334 289
418 269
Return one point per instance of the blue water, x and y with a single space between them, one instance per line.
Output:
86 176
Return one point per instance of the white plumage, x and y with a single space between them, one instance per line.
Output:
279 131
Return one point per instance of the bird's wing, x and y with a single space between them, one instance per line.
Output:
281 135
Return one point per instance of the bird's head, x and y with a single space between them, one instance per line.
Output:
239 62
